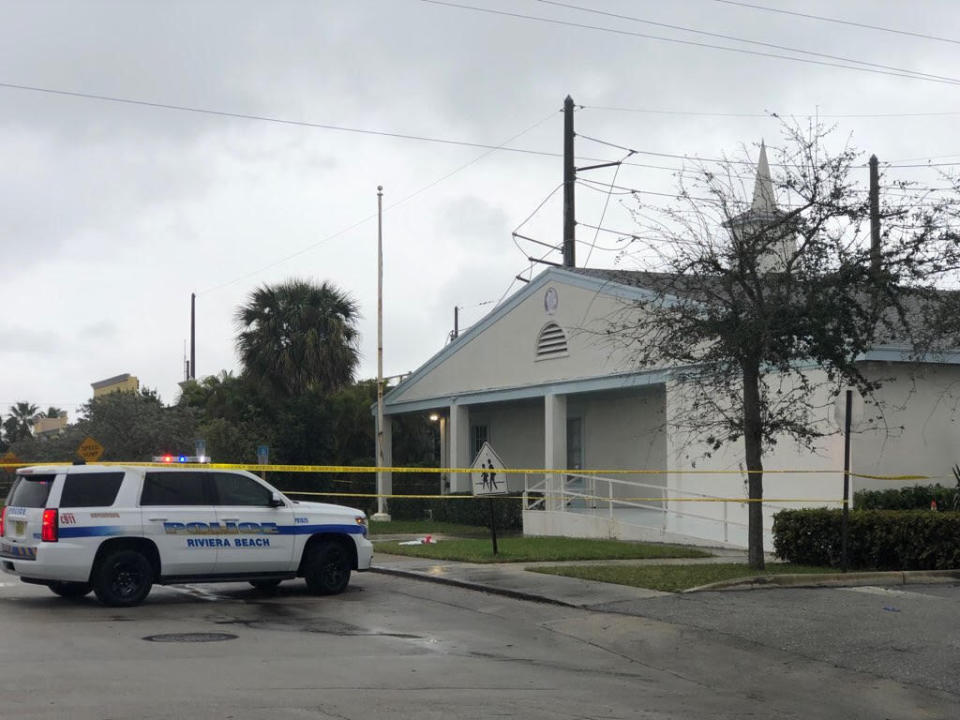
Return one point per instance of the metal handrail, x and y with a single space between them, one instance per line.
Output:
612 501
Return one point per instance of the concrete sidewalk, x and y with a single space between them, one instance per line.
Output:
513 580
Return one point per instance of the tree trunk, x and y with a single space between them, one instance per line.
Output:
752 440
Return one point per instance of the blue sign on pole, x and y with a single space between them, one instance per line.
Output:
263 455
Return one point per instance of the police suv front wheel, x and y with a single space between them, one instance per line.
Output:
327 568
122 578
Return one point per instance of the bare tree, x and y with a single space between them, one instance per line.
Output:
747 295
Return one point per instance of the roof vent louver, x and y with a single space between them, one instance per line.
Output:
552 342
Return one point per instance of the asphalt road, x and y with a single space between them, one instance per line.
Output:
396 648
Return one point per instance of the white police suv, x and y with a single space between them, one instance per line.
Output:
119 530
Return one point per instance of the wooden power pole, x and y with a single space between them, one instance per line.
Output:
569 182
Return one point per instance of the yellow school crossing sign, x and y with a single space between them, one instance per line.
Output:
9 459
90 450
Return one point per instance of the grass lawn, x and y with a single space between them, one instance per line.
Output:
427 527
537 549
672 578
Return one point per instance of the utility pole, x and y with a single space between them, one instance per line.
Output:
381 513
875 253
569 182
456 322
192 375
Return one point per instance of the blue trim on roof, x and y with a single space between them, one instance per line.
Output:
556 387
902 353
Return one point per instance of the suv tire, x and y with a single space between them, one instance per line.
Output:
122 578
327 568
70 589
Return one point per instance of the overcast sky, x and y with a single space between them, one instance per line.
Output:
113 213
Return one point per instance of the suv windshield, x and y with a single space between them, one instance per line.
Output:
30 491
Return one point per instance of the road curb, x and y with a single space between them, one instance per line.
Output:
515 594
854 579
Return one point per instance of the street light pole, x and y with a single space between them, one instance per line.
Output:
381 514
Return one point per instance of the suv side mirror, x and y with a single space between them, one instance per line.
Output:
276 500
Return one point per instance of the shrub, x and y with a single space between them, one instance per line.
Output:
508 511
877 539
915 497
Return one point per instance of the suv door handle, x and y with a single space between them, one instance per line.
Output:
157 519
230 519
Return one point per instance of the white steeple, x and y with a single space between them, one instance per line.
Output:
763 197
763 221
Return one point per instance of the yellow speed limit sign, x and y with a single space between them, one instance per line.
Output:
90 450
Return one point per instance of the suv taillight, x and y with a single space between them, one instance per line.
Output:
3 516
50 525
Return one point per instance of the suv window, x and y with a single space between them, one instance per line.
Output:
90 489
30 491
174 488
240 490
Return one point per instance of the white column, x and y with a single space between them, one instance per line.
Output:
385 477
444 456
554 446
459 447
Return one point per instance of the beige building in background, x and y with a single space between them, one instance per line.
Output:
46 426
118 383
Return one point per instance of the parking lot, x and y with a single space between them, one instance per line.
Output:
397 648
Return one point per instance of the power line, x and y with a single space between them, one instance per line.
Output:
838 21
270 119
606 204
388 208
396 135
722 36
727 161
771 115
911 74
537 209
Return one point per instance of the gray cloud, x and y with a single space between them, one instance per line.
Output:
112 214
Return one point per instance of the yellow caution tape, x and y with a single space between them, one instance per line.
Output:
538 498
506 471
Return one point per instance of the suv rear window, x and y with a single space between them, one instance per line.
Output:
30 491
175 488
90 489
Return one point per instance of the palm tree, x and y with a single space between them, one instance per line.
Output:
17 425
53 412
299 336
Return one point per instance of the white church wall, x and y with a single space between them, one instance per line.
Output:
794 476
624 431
917 429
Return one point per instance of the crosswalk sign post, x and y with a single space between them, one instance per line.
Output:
488 478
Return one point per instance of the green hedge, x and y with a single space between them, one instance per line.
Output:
877 539
915 497
460 509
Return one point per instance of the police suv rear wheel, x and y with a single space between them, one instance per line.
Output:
123 578
327 568
70 589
